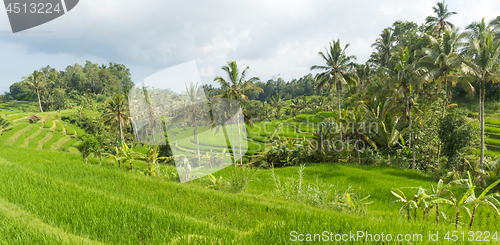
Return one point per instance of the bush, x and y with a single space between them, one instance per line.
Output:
457 132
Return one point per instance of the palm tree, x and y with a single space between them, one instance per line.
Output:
442 60
338 71
439 23
386 134
36 82
482 65
365 73
116 110
237 88
193 111
406 76
277 103
383 45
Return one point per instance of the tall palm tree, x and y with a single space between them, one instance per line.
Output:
277 103
337 71
237 88
116 110
36 82
406 76
365 73
383 46
442 60
482 65
193 111
439 23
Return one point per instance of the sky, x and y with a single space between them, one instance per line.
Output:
274 38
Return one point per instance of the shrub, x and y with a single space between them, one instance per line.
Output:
457 132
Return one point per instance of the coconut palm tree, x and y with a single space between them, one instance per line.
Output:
383 46
116 110
365 73
237 88
406 76
337 71
36 82
277 103
194 111
442 61
386 133
437 24
482 64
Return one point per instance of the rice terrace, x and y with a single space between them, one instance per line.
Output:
401 149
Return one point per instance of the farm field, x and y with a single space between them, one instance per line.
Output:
85 204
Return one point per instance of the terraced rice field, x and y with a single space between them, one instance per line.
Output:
49 136
492 133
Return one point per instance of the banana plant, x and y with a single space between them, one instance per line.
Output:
466 198
152 158
408 204
123 155
484 199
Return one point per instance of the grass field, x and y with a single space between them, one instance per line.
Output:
54 198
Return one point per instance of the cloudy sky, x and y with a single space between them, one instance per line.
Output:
272 37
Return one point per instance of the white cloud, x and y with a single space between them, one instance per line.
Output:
272 37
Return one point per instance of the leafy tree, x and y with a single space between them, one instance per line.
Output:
456 132
88 145
337 71
437 24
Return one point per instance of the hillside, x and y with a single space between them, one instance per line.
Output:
53 197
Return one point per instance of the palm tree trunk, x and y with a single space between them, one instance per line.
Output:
39 102
472 218
409 120
482 92
120 121
100 159
444 110
340 111
196 138
131 166
414 164
359 156
232 142
239 140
